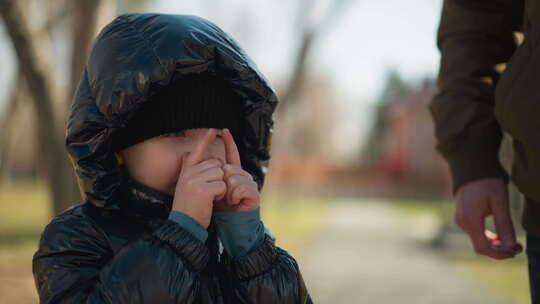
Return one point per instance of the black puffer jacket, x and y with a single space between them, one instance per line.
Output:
118 246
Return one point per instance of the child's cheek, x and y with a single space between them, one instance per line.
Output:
174 166
166 168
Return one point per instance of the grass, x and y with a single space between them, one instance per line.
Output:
506 279
293 221
412 209
25 210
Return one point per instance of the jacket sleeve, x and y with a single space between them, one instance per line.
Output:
74 264
267 275
474 36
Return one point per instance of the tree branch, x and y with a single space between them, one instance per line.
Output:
32 70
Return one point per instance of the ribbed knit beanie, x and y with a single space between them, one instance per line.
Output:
203 101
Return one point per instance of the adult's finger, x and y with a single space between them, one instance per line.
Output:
197 154
475 229
481 243
493 238
503 223
231 150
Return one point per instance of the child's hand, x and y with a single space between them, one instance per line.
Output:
242 193
200 183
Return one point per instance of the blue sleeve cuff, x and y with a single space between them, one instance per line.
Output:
189 224
240 232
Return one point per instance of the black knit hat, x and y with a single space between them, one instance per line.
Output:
204 101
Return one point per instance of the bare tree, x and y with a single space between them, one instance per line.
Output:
291 102
84 25
13 103
308 34
40 79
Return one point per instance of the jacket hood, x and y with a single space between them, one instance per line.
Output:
132 58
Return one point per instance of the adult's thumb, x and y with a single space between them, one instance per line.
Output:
503 223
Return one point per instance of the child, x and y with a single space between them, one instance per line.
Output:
169 136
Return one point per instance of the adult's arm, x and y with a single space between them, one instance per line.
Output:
473 37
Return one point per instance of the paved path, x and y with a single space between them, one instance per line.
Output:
363 256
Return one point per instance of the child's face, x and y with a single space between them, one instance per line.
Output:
157 163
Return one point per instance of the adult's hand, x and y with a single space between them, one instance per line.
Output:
477 200
200 182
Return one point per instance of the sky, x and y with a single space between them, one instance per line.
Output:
355 49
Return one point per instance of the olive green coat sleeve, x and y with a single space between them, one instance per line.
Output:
474 36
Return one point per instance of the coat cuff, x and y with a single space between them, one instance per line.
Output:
191 225
255 263
184 243
240 232
474 161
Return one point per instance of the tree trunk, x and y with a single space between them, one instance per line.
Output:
288 99
13 101
84 20
58 170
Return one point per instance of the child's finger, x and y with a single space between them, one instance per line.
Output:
217 189
231 170
238 194
221 196
234 182
182 161
231 150
228 195
205 165
197 154
242 192
210 175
